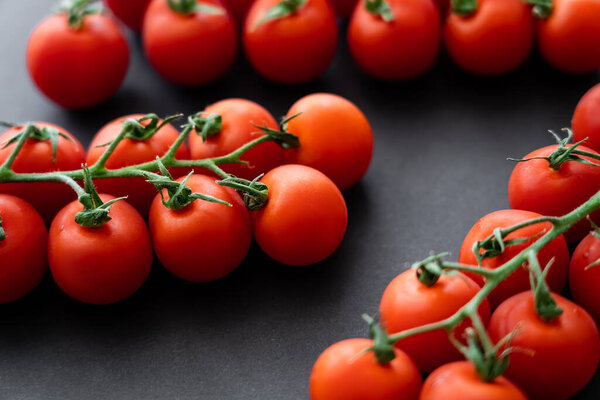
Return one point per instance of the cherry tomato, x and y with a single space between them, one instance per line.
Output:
518 281
400 49
36 156
203 241
344 371
238 115
584 282
344 8
535 187
407 303
335 138
100 265
293 49
564 352
305 218
78 68
586 119
570 38
130 12
23 250
459 380
494 40
239 9
192 49
130 152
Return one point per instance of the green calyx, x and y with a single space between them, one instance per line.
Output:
595 233
542 9
206 127
383 347
545 305
254 193
495 245
464 8
2 233
282 137
491 364
188 7
283 9
380 8
430 269
95 212
78 9
136 130
32 131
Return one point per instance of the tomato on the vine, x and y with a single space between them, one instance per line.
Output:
407 303
345 371
130 12
586 119
100 265
305 217
397 49
295 47
23 238
518 281
335 138
583 281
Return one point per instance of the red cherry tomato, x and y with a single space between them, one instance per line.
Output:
570 38
564 352
344 371
305 218
130 12
400 49
494 40
586 119
203 241
344 8
238 115
584 282
130 152
293 49
192 49
23 250
36 156
100 265
335 138
239 9
459 380
535 187
78 68
518 281
407 303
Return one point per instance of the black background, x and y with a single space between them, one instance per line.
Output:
439 165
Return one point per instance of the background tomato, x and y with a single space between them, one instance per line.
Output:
586 119
130 12
584 283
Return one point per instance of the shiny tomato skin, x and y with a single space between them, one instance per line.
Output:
23 261
129 152
586 119
407 303
570 38
565 351
335 138
402 49
584 283
65 64
518 281
237 116
293 49
100 265
189 50
204 241
130 12
36 156
533 186
344 372
305 218
495 40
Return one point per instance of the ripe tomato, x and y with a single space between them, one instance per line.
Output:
570 38
407 303
584 283
203 241
494 40
78 68
23 250
400 49
100 265
345 372
459 380
36 156
518 281
305 218
237 116
565 351
586 119
130 12
130 152
239 9
189 49
335 138
535 187
293 49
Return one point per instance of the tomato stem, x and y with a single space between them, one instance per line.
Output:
78 9
380 8
188 7
464 8
280 10
542 9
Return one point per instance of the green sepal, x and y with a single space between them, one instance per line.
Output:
380 8
495 245
46 133
138 131
95 212
542 9
2 233
281 137
545 305
78 9
430 269
488 365
383 347
280 10
208 126
464 8
254 193
187 7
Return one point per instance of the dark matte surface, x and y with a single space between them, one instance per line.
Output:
439 165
